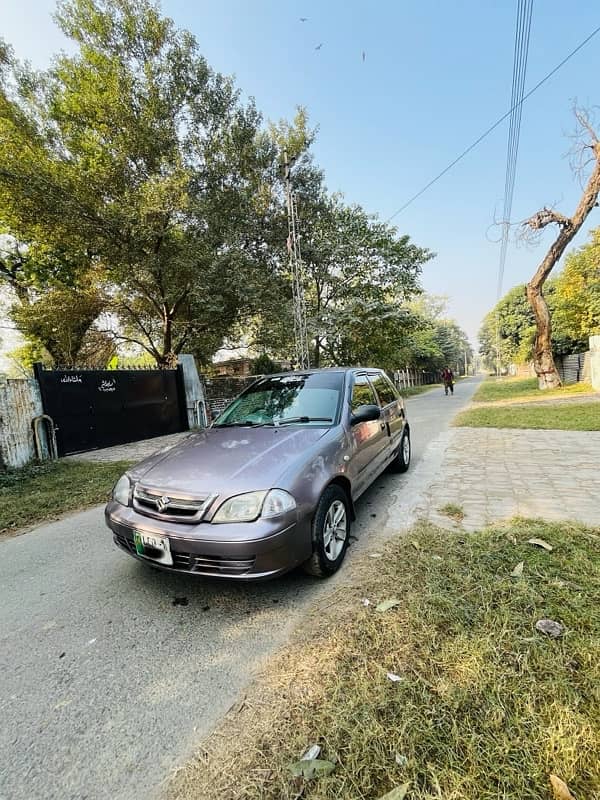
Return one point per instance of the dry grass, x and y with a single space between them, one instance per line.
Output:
486 709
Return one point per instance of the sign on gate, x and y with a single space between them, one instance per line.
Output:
100 408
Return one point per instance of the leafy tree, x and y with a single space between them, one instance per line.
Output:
60 321
135 152
264 365
577 309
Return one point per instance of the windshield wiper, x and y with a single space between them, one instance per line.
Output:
245 424
291 420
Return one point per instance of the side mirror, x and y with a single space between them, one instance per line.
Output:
367 413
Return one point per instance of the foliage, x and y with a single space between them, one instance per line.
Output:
522 390
577 307
264 365
135 151
59 320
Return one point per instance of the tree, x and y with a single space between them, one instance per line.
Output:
135 152
577 309
543 361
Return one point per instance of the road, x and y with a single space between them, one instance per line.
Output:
112 672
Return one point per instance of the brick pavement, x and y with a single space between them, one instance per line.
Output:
495 474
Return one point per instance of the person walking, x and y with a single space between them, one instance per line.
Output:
448 378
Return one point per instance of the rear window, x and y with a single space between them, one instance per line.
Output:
385 390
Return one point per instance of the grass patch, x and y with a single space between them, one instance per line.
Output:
486 707
551 416
44 491
453 511
411 391
494 389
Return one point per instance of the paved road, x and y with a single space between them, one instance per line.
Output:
106 684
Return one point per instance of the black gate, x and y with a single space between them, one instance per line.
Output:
100 408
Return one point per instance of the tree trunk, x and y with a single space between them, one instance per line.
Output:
543 360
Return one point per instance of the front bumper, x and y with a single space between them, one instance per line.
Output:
242 551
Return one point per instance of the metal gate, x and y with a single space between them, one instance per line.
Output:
101 408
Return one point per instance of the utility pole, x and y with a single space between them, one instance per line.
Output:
293 246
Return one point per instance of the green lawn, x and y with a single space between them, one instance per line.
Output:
551 416
479 705
45 491
411 391
494 389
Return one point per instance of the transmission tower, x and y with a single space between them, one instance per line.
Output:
293 246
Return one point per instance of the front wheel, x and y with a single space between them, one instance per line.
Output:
402 461
331 532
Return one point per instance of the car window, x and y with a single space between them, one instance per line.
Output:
362 393
384 391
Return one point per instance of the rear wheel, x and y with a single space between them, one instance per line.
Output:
402 461
331 531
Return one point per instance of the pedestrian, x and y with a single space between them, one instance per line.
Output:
448 378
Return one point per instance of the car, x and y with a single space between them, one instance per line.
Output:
271 484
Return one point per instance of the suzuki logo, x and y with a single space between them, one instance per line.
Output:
162 503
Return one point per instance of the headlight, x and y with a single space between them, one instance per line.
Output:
277 502
242 508
122 491
249 507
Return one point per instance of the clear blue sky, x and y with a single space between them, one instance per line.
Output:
436 74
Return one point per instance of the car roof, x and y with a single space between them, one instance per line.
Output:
316 371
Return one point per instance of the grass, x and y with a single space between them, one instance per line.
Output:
551 416
453 511
495 389
486 707
44 491
411 391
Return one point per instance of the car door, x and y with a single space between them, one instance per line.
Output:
369 440
392 410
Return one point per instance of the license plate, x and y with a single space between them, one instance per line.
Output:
152 546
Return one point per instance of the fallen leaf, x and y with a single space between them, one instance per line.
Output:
437 558
365 601
399 793
312 768
401 760
560 790
416 545
393 677
314 751
541 543
374 555
518 570
385 605
511 538
549 627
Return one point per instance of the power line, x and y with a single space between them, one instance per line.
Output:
522 35
493 127
521 52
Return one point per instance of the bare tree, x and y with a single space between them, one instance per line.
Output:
589 152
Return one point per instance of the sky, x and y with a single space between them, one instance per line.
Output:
434 76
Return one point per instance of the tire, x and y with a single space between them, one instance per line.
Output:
329 552
402 461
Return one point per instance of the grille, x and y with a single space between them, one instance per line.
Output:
190 562
154 503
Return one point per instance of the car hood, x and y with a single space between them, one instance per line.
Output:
227 460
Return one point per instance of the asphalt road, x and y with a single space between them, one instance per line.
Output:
111 672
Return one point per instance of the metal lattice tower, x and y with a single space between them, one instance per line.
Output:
293 245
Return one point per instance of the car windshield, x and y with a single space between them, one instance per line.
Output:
310 399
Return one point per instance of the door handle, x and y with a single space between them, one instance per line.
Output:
383 426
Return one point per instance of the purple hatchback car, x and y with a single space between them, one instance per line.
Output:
271 484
